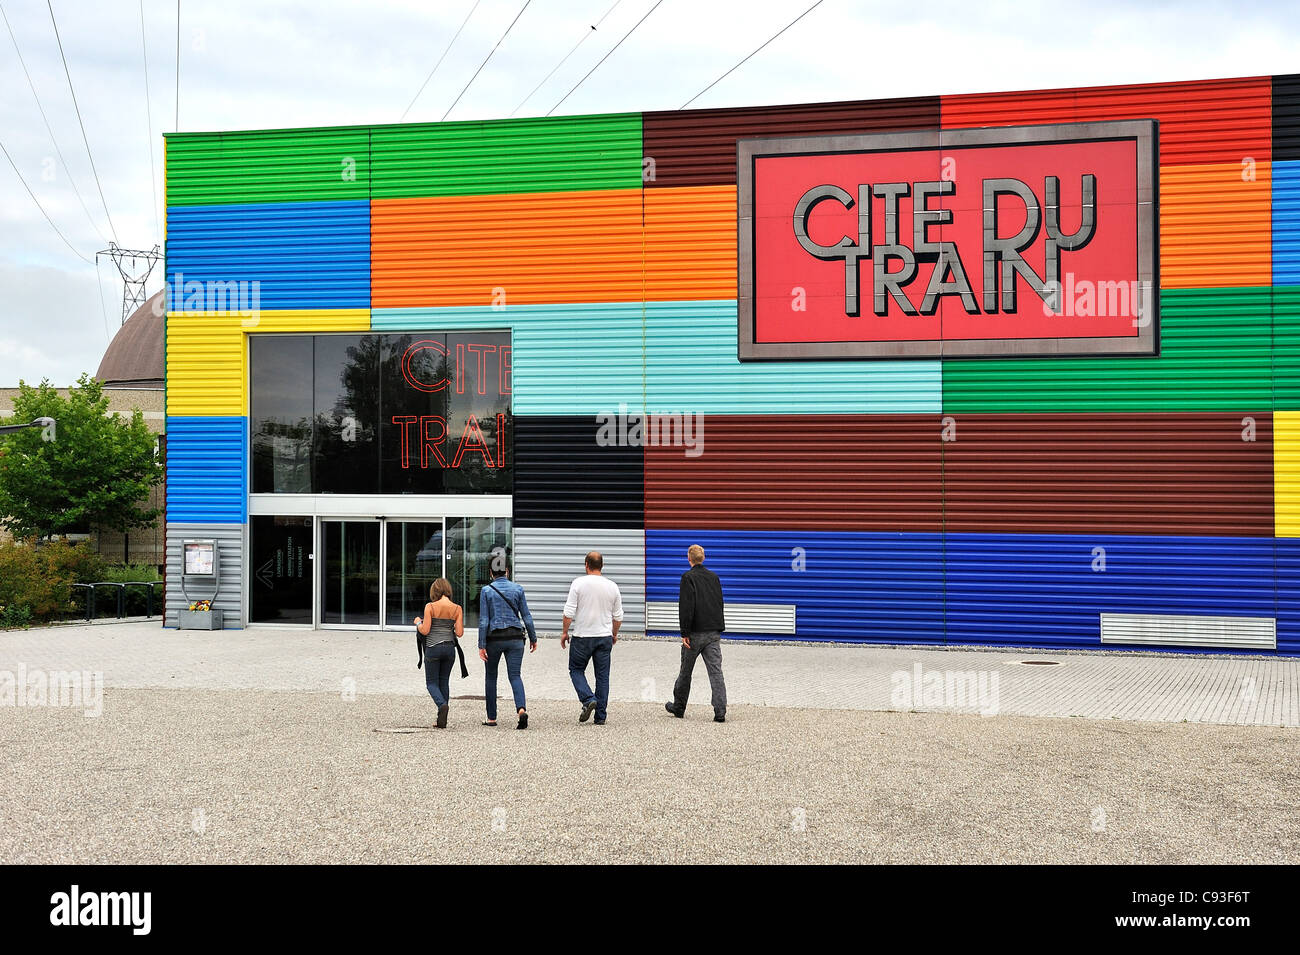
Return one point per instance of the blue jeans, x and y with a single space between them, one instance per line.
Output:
591 649
437 670
513 651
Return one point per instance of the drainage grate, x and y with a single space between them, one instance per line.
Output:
1040 663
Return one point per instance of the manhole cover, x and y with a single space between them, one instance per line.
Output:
1040 663
402 729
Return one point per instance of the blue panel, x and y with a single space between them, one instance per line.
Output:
566 359
691 365
878 588
1286 223
1043 591
1288 594
207 477
300 254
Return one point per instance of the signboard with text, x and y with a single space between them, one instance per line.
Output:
1005 241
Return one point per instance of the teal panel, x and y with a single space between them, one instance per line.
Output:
691 365
566 359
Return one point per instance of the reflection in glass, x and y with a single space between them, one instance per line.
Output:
346 404
472 545
350 573
280 413
414 562
279 586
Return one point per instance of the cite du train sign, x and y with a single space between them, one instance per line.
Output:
1007 241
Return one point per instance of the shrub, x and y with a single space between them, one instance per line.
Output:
36 580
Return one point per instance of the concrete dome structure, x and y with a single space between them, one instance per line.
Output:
135 356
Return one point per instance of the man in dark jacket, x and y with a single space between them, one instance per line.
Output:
699 614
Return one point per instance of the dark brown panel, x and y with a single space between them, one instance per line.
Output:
800 472
698 147
1184 474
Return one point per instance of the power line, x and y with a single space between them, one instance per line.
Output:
50 129
605 57
148 115
68 74
566 57
742 62
440 59
177 124
41 207
488 57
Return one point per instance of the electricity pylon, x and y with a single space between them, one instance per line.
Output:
134 274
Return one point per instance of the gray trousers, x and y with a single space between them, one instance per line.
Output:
709 646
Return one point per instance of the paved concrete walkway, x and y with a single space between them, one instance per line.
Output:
1150 687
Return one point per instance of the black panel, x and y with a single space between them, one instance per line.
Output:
281 413
564 478
1286 117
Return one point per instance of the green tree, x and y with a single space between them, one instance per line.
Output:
97 472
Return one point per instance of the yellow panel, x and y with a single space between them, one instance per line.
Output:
1216 225
1286 473
207 353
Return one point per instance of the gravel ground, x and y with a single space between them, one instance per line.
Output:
280 776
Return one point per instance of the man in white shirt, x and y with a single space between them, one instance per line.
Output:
594 609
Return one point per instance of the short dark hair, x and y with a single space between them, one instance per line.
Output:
595 561
498 571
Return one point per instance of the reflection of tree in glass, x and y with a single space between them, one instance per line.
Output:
281 462
346 432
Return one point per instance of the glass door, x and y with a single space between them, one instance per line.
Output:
413 561
349 580
279 567
474 544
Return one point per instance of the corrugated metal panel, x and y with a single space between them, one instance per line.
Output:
1286 473
558 247
1215 355
691 365
1200 121
566 359
548 559
206 353
1215 225
207 470
1286 117
1286 347
509 155
230 550
690 243
879 588
1049 590
1175 630
266 165
1191 474
565 476
1286 223
1288 594
800 472
294 255
697 147
744 618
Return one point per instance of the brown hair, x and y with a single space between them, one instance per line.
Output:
440 588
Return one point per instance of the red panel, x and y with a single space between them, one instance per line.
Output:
1185 474
809 472
1201 121
697 147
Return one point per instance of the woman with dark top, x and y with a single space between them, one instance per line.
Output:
442 623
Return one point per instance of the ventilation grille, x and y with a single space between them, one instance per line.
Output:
1170 630
741 618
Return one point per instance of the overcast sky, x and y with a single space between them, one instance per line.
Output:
247 65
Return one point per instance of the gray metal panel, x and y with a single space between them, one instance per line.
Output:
1177 630
548 558
741 618
230 596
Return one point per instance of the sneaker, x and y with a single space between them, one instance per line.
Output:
587 709
673 710
597 722
442 716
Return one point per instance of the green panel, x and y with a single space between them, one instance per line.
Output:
564 154
1286 345
1215 355
283 165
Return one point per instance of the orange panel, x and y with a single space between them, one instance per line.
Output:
1216 225
690 243
538 248
1202 121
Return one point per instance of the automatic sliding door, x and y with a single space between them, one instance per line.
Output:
350 573
414 562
